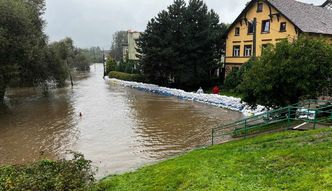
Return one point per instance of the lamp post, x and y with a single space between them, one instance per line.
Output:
104 64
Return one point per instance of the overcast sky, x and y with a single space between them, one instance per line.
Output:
92 22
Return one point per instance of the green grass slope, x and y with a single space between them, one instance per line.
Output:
290 160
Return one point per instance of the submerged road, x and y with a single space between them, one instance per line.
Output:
120 128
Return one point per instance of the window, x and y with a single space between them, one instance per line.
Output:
250 28
283 27
235 68
266 26
236 51
247 50
259 7
237 31
264 46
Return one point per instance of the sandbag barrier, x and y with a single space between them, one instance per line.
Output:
221 101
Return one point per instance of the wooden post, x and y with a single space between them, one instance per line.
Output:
212 139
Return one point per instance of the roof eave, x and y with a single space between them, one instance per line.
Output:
238 18
318 33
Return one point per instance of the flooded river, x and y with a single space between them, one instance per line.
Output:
120 130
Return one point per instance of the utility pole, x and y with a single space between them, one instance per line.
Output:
94 55
254 38
104 64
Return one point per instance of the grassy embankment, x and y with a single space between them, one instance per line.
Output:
289 160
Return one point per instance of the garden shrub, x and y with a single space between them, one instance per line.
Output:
110 65
45 175
289 72
232 81
235 77
126 76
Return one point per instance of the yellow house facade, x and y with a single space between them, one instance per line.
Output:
265 22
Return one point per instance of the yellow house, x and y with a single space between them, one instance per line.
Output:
265 22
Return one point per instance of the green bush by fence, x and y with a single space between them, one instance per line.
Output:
74 174
126 76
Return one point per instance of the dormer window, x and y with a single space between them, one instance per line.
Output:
259 7
283 27
237 31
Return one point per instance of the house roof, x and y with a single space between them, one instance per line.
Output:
307 17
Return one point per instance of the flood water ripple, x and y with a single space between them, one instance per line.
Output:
121 128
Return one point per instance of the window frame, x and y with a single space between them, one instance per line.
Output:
239 50
245 48
237 31
235 68
260 6
264 26
281 24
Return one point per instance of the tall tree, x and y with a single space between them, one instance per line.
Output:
26 59
22 41
182 44
120 38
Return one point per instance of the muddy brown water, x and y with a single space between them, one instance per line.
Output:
121 128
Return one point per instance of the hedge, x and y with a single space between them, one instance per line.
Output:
126 76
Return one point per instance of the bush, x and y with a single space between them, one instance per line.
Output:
235 78
232 81
128 66
289 72
74 174
126 76
110 65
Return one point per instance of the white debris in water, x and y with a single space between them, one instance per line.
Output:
227 102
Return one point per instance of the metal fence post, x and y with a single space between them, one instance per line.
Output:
288 117
212 140
315 119
245 129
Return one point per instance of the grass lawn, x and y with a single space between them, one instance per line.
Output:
290 160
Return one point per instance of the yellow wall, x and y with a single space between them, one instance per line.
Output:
244 39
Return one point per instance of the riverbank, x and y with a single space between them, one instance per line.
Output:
283 161
221 101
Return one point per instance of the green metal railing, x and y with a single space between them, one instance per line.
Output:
309 113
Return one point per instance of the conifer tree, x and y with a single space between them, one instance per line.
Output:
182 45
